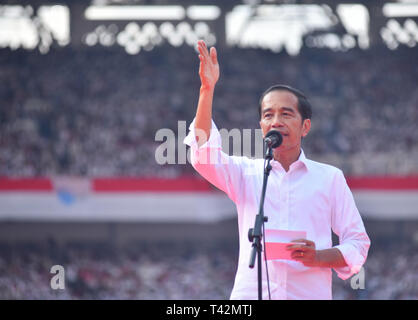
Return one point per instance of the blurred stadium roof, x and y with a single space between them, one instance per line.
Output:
269 24
200 2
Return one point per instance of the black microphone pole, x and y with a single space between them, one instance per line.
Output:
255 234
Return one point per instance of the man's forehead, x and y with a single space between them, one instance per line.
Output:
280 98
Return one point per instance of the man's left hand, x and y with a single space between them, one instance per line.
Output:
304 251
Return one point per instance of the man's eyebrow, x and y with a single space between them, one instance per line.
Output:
266 110
289 109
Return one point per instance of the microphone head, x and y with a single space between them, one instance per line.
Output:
273 139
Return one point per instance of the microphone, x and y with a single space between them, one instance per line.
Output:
273 139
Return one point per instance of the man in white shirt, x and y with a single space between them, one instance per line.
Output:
301 195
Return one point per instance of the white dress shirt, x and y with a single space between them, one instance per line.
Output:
310 196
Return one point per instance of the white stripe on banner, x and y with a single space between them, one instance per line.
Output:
180 200
387 204
171 207
121 207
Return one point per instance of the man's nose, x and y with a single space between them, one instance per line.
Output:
277 122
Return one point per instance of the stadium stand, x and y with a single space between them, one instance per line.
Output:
96 112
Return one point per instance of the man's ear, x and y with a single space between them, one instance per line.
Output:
306 127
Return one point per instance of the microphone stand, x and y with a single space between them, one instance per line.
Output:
255 234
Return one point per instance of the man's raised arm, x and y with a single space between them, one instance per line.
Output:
209 75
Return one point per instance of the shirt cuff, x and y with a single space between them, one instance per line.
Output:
353 259
214 141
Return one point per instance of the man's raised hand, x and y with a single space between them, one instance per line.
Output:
209 66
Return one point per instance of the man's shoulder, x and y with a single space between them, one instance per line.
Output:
247 160
323 168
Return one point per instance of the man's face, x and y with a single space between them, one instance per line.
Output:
279 111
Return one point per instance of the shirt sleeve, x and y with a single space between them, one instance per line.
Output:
348 225
220 169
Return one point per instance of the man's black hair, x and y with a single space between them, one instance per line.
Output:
304 106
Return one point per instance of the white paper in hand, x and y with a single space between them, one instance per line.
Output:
278 240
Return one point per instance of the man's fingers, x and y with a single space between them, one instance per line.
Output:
203 49
213 55
309 243
296 247
299 240
297 255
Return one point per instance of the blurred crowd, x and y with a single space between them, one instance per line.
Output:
96 111
389 274
177 271
153 271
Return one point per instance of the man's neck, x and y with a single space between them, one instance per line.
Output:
287 157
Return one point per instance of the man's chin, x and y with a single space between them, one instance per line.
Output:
284 147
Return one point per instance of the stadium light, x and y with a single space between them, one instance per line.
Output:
398 10
394 34
57 18
135 13
275 26
356 20
21 26
203 12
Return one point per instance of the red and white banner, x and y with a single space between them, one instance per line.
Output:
394 198
112 199
186 199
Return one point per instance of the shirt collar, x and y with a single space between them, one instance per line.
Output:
301 161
